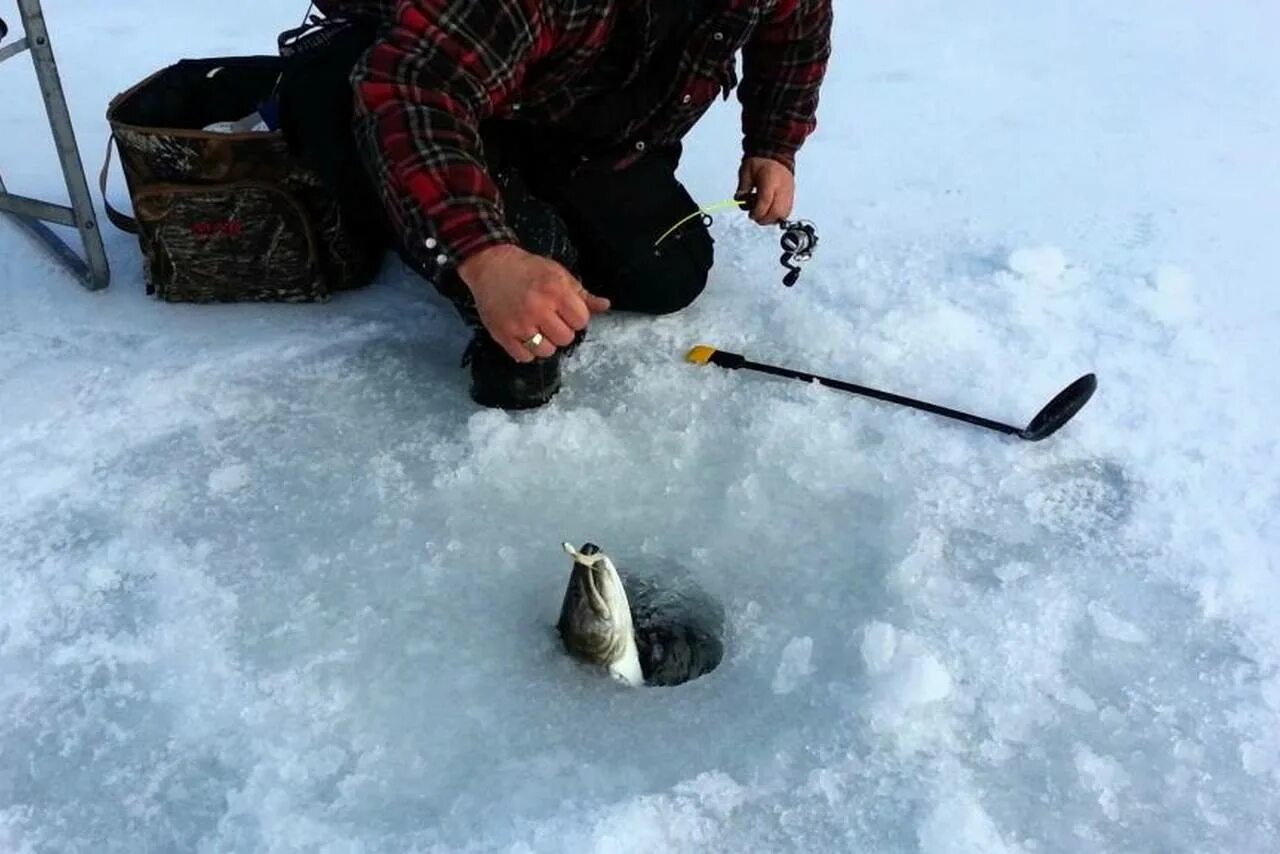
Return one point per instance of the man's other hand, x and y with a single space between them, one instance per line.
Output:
519 294
772 185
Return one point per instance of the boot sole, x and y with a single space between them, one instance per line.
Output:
516 405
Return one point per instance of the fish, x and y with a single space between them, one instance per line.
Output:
595 622
658 629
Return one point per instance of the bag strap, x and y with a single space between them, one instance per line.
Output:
119 220
311 35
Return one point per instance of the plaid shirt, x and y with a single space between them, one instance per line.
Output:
440 67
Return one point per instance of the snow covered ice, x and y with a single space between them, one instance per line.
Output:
269 583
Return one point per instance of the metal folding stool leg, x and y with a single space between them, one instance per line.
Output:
32 214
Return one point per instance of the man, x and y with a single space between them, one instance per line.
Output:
525 153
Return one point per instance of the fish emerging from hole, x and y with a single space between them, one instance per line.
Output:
657 630
595 617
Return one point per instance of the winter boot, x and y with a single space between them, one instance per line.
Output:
497 380
500 382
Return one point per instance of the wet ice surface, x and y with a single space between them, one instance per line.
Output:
269 584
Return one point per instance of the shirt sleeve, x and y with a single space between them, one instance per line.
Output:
421 92
783 67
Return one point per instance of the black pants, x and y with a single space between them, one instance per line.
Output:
600 222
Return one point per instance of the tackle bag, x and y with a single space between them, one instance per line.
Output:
225 211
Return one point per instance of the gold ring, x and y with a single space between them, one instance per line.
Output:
533 342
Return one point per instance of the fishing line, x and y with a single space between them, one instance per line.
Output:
798 241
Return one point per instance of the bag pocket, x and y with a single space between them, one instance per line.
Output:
245 240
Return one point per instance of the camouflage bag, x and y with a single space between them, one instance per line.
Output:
228 216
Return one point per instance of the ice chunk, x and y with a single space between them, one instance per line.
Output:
1104 776
1111 626
959 825
10 833
1171 298
228 479
905 674
879 641
1077 699
1259 758
922 679
1039 265
684 819
1010 572
795 666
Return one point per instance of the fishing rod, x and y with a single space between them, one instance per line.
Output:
798 241
1047 421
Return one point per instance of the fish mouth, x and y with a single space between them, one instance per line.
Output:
594 598
586 568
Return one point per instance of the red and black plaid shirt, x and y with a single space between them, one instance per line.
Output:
440 67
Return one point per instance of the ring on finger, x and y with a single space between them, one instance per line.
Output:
533 341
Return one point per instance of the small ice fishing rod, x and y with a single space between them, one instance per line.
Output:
798 241
1048 420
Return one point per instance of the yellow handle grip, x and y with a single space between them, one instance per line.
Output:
701 354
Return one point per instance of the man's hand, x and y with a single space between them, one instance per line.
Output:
519 294
772 184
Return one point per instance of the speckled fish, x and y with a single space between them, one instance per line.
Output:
595 618
644 631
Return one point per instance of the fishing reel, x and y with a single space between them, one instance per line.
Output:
799 239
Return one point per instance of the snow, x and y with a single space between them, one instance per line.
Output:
271 584
958 825
1040 264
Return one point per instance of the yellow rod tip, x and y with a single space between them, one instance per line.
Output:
701 354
